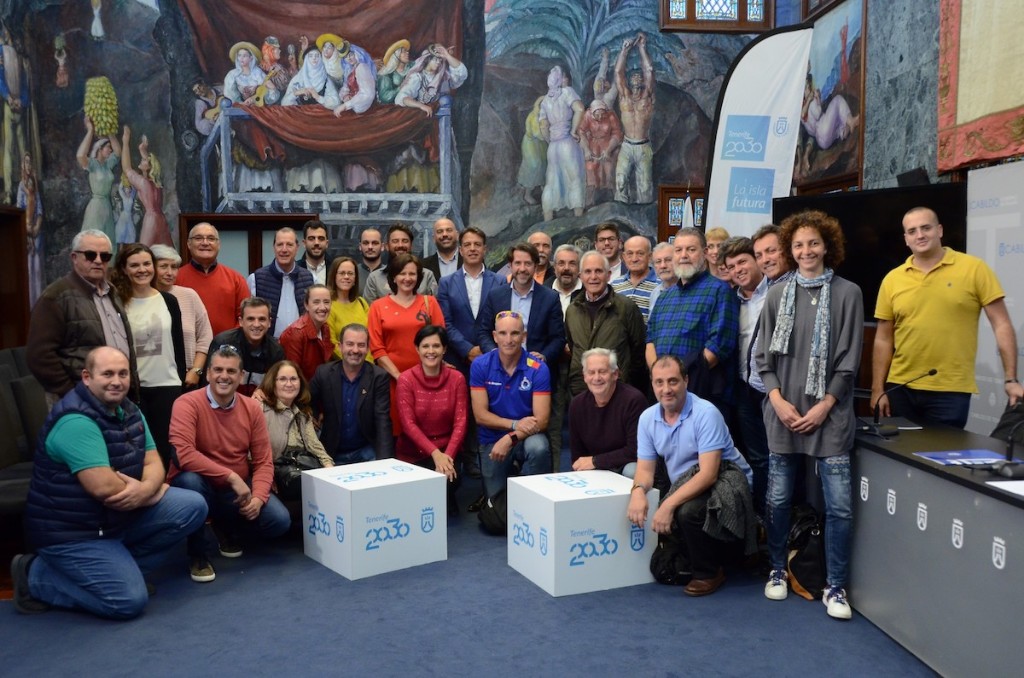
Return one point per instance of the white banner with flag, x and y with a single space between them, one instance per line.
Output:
757 128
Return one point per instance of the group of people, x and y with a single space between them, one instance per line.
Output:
714 392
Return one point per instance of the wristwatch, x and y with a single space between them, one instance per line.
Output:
198 371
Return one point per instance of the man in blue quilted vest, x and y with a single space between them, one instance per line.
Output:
99 513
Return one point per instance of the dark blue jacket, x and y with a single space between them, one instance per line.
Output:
462 327
270 279
545 334
59 509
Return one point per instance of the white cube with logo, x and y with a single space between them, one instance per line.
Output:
374 517
568 532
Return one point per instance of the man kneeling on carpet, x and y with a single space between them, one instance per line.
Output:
224 454
511 397
709 506
99 511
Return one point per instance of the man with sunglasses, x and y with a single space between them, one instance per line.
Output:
76 314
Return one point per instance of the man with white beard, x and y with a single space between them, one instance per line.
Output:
697 321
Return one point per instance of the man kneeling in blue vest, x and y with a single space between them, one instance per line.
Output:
99 512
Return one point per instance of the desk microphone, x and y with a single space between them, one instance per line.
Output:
1010 468
887 431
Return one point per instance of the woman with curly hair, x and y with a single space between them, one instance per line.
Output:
813 328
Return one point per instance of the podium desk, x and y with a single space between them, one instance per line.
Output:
938 555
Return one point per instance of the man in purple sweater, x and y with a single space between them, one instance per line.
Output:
602 419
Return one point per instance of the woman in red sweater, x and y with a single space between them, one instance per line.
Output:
432 406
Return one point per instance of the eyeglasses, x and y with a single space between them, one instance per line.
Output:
90 255
508 314
288 380
204 238
607 239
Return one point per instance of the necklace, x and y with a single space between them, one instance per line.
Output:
814 299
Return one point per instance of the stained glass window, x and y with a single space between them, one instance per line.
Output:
732 16
717 10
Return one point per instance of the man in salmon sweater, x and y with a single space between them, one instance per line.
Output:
224 454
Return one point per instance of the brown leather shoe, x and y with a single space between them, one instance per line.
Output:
704 587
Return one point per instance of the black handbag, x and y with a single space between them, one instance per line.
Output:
289 466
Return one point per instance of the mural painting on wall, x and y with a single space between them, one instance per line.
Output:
586 108
832 110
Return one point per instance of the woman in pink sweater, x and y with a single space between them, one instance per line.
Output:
432 406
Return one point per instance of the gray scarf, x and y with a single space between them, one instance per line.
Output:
818 360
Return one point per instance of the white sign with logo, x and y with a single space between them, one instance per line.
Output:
568 533
379 516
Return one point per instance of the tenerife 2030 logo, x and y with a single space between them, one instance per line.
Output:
522 534
745 137
318 524
392 530
597 546
360 475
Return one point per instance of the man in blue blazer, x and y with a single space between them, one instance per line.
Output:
461 296
539 306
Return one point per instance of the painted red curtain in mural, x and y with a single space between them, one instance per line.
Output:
374 26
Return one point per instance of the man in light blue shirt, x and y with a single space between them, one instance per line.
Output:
705 468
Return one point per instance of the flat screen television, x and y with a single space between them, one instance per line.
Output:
872 222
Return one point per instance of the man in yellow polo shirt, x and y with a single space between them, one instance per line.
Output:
927 312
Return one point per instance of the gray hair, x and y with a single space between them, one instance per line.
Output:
662 246
76 242
166 253
613 359
595 253
567 247
203 223
695 232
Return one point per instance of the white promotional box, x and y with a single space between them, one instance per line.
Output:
374 517
568 532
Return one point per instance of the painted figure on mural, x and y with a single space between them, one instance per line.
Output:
28 199
269 92
14 92
561 112
207 106
359 89
99 157
393 71
329 45
436 72
241 82
311 85
600 137
534 150
127 210
826 126
634 181
146 180
605 89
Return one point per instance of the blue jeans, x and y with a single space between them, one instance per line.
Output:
367 453
105 576
273 520
835 481
533 454
930 407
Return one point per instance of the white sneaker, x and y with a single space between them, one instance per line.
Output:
834 598
776 588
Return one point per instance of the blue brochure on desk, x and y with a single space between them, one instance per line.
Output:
961 457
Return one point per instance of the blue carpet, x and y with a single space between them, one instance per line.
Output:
275 612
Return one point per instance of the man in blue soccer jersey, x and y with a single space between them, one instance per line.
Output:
511 394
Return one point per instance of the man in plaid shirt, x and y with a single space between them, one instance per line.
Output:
698 321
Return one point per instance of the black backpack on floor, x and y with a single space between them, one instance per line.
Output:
494 515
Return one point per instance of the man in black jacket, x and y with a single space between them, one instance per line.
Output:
354 398
259 350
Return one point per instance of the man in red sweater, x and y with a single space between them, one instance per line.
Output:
221 288
224 454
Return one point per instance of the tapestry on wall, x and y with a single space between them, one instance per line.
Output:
981 61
